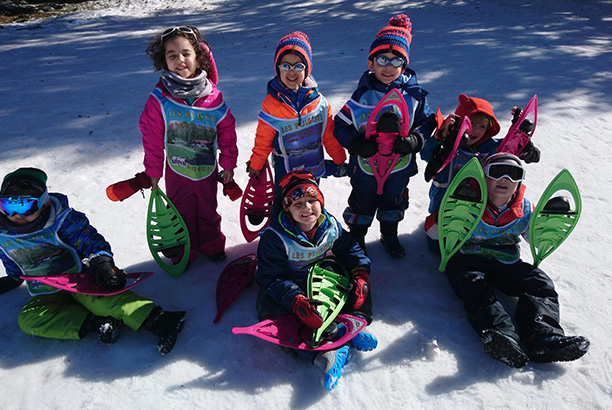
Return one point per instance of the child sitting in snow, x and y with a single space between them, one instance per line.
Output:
186 116
40 235
480 144
295 241
295 121
387 69
491 259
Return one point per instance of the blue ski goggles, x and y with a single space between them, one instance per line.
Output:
22 205
499 170
396 62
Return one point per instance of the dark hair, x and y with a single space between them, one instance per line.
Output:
156 50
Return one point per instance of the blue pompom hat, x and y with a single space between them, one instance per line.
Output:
298 43
395 37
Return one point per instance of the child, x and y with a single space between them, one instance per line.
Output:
296 121
388 69
40 235
297 239
186 116
491 259
480 143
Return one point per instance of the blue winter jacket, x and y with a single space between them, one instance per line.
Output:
39 250
276 271
369 92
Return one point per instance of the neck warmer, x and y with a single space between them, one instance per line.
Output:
185 88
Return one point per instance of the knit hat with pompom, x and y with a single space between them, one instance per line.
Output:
297 43
395 37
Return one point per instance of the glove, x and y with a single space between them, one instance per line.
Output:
106 273
407 145
530 153
7 283
362 147
306 310
358 288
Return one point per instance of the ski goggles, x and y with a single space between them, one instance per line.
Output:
22 205
499 170
298 68
395 62
181 29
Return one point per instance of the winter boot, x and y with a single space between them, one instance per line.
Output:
125 189
555 348
108 328
331 363
166 326
503 348
359 232
364 342
390 240
217 257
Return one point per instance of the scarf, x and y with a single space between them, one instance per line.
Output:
186 88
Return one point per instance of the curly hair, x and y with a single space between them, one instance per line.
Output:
156 50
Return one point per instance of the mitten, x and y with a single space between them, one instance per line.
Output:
407 145
362 147
530 153
124 189
306 310
358 288
106 273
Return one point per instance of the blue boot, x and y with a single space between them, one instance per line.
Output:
331 363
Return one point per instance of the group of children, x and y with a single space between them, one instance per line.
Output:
186 121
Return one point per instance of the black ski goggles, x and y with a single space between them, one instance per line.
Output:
499 170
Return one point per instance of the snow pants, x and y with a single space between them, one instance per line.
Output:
537 310
196 201
61 315
364 203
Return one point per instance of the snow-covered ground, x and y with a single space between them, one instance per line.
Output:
72 93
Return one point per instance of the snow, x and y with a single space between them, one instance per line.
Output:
74 89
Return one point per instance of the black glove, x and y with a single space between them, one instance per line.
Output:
407 145
106 273
7 283
530 153
362 147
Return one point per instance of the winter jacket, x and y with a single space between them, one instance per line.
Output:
497 235
486 146
350 122
153 128
62 239
285 255
287 120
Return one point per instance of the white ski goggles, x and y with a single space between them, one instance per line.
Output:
499 170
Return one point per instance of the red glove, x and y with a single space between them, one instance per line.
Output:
358 288
306 310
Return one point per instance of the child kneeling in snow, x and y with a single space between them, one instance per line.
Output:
491 259
41 235
294 242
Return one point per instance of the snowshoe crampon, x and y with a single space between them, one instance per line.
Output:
328 283
385 160
554 219
167 232
461 209
256 204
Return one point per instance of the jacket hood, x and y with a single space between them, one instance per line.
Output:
471 105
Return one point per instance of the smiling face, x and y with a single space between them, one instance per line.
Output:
479 128
386 74
292 79
181 57
305 212
500 191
